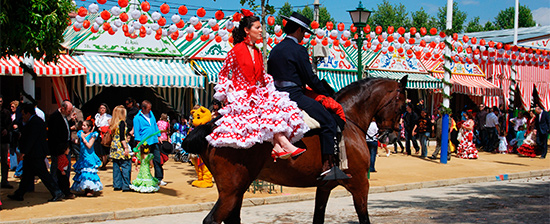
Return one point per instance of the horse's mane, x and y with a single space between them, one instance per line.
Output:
361 84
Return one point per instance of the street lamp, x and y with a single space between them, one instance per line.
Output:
359 16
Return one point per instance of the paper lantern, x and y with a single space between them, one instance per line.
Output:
216 27
180 24
378 30
157 37
423 31
164 8
341 27
105 15
390 29
390 38
352 28
175 18
162 21
123 3
482 42
82 11
412 41
401 30
433 31
201 12
218 39
284 22
101 1
219 15
324 42
412 30
271 20
314 24
237 17
366 29
106 26
143 19
145 6
123 17
86 24
93 8
198 26
76 29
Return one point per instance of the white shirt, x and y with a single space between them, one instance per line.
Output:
102 120
491 121
518 122
292 38
40 113
372 132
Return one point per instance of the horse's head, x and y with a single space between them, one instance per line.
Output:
382 99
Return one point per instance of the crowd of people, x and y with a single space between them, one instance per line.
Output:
131 132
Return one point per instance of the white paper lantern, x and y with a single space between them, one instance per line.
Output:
117 23
223 33
206 31
211 36
115 11
93 8
230 25
334 33
172 28
148 30
375 42
346 33
99 20
164 32
277 28
194 20
155 26
225 38
397 45
482 48
80 19
96 26
189 29
385 35
180 34
407 36
396 36
114 28
137 25
176 18
78 25
385 44
131 29
156 16
212 22
135 14
417 35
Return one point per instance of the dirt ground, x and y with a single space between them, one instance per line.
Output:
395 169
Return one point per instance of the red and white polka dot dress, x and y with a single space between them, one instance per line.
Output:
254 110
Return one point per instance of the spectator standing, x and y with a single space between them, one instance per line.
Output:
59 136
145 125
34 149
518 121
542 125
75 124
399 135
467 148
423 128
493 127
419 107
120 150
410 118
372 143
102 119
14 137
480 126
131 111
5 126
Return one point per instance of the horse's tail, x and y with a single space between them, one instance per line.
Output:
195 142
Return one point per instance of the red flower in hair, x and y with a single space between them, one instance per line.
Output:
247 12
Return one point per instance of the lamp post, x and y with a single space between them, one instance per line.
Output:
359 17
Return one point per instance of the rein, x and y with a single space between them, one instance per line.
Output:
356 125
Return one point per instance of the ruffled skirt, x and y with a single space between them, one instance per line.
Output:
86 179
527 150
145 185
467 149
255 116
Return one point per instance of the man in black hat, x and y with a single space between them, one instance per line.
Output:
291 70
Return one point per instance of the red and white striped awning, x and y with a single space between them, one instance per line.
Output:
66 66
530 77
472 85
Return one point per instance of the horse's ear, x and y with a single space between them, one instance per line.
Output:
403 82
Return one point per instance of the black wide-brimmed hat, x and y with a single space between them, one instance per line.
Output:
300 20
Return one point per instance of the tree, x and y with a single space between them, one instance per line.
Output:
33 28
459 17
489 26
390 15
421 19
505 18
286 10
474 26
324 17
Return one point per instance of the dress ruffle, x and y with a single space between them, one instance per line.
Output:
85 168
467 148
79 186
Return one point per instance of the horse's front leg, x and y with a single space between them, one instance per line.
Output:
321 198
358 186
227 209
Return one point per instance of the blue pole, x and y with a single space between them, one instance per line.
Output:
444 138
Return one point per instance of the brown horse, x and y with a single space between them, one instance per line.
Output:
235 169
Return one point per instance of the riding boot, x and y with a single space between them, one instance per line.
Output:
331 170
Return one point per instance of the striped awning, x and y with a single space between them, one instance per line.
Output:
139 72
472 85
414 81
337 79
368 56
65 66
211 68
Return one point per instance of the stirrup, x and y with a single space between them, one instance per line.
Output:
334 173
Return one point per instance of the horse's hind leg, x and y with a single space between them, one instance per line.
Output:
321 198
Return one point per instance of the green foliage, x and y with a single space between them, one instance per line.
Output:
421 19
286 10
324 17
459 17
489 26
474 26
33 27
505 18
390 15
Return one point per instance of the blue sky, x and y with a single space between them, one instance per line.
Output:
487 10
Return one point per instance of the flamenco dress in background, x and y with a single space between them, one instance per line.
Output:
86 177
467 148
254 109
145 182
529 146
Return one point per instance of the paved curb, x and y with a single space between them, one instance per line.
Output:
173 209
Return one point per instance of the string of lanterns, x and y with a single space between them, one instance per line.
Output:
420 43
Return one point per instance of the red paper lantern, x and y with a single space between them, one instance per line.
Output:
324 42
366 29
390 38
219 15
201 12
390 48
143 19
352 28
86 24
218 39
422 43
433 31
101 1
307 35
412 40
442 34
106 26
314 24
499 45
123 3
423 31
145 6
401 30
482 42
189 37
216 27
336 43
441 45
412 30
176 34
125 28
465 39
348 43
123 17
473 40
198 26
127 34
82 11
180 24
162 21
313 42
111 31
329 25
401 40
491 44
378 30
230 40
159 32
237 17
204 37
182 10
158 37
164 8
432 44
284 22
76 29
380 38
390 29
369 44
105 15
341 27
269 40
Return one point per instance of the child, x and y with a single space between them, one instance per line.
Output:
86 179
503 145
63 167
177 137
529 145
145 182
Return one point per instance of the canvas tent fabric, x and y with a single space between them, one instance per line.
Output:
66 66
139 72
